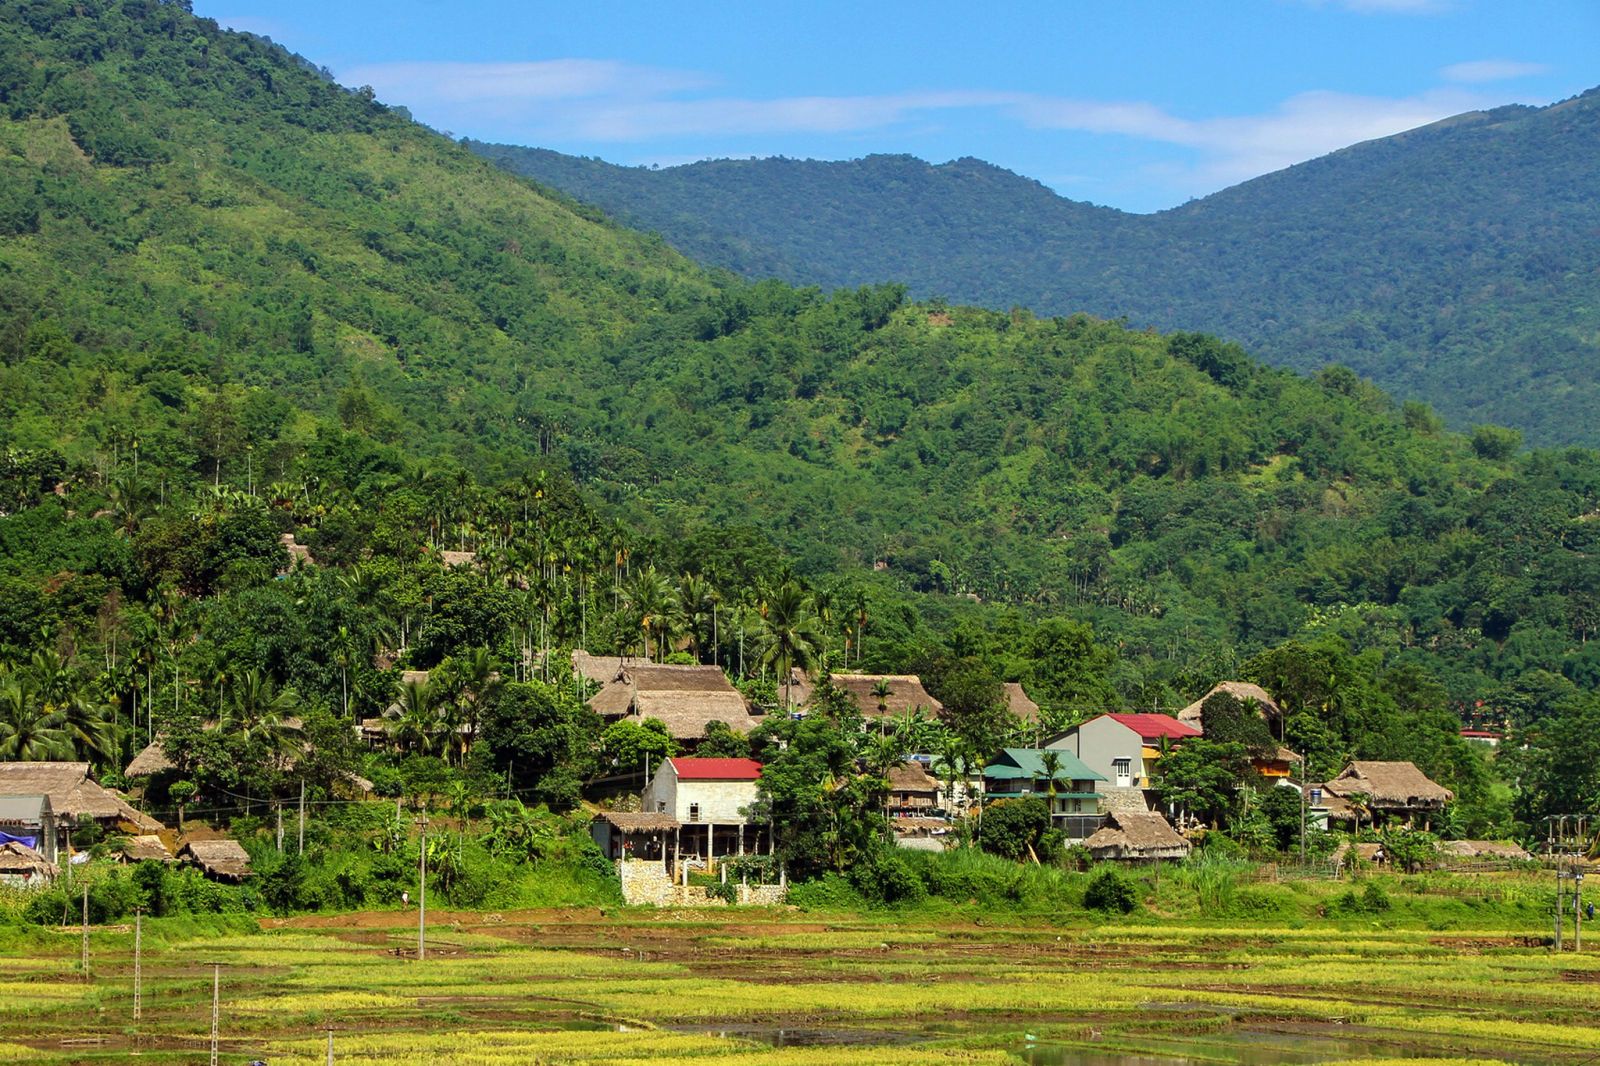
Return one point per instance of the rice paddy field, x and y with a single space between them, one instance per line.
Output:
779 987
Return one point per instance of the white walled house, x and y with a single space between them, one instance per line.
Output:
710 799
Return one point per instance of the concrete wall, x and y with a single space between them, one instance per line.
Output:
1099 743
721 802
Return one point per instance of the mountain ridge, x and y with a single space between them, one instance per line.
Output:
1451 263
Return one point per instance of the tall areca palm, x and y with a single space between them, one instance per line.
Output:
696 604
650 600
789 637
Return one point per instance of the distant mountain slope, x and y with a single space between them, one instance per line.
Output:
1458 263
216 259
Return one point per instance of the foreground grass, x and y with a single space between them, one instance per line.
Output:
637 986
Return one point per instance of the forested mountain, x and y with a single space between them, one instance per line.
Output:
224 278
1458 263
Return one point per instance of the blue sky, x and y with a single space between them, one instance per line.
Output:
1133 103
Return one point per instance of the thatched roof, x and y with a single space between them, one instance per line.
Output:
454 559
1390 786
684 698
912 777
147 847
1019 703
905 692
1243 691
224 859
72 794
298 553
602 669
20 860
150 760
1485 849
1129 835
639 823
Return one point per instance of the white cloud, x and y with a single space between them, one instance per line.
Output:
591 101
1482 70
510 84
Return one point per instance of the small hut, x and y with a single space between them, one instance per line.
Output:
220 860
912 790
23 867
633 836
1397 789
1245 693
1137 837
145 848
152 759
1484 851
1020 705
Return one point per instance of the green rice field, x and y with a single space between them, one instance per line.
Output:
782 987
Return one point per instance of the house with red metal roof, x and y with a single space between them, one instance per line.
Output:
1124 750
708 801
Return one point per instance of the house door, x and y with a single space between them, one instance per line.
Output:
1123 769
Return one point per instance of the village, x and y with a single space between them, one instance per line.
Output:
676 829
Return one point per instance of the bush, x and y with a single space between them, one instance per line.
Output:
1110 891
883 877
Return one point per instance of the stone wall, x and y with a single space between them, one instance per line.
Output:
646 881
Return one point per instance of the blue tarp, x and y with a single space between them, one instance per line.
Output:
7 838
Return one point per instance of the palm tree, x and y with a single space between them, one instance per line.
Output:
650 600
260 711
885 752
696 607
881 692
28 733
858 607
415 719
789 637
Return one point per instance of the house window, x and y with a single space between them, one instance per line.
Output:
661 806
694 812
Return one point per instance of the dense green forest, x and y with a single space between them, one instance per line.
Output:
240 301
1453 263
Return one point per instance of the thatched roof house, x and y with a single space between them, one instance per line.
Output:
1020 705
1245 693
1485 851
905 693
603 669
22 866
912 790
72 794
453 559
146 848
1390 787
684 698
299 554
220 860
152 759
1137 837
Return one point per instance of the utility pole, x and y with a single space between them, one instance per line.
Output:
422 887
85 961
138 969
330 1045
300 843
1577 909
1302 811
216 990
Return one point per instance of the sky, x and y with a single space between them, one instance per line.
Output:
1136 104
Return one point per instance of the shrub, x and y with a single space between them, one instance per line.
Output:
1110 891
